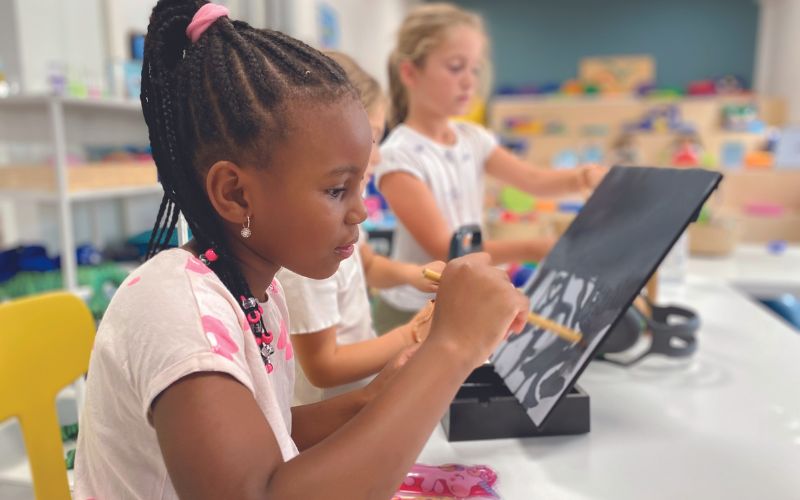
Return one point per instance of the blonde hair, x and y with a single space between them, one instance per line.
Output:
368 88
423 29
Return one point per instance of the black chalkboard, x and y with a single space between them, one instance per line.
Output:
593 274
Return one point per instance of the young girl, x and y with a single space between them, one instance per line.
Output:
433 169
331 323
261 143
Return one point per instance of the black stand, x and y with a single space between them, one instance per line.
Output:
484 408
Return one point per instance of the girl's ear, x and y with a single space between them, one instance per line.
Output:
408 73
226 186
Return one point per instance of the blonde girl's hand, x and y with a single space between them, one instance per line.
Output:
420 324
420 282
388 372
591 176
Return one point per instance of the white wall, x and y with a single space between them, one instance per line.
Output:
124 17
48 31
9 55
778 53
367 27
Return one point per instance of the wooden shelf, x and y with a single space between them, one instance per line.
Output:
87 181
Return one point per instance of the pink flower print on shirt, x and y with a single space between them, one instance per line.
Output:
134 281
284 343
283 338
289 350
196 265
273 287
219 338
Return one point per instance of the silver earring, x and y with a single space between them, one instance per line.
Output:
246 232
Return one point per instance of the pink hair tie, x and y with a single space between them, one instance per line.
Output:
203 18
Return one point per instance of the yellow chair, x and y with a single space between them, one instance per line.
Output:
45 342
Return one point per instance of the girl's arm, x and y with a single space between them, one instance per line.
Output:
413 204
314 422
328 364
541 181
216 442
381 272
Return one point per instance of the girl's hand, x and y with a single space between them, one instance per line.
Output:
420 282
388 372
476 307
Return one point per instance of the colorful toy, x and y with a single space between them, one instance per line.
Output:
742 118
591 89
514 200
732 154
548 88
764 209
522 274
566 158
570 206
624 151
523 125
730 84
701 87
572 87
666 93
546 206
592 153
449 481
659 119
758 159
516 145
686 148
777 247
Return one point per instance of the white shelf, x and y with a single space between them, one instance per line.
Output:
73 103
61 186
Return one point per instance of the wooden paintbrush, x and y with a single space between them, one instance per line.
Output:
536 320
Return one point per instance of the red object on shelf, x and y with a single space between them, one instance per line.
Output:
702 87
686 156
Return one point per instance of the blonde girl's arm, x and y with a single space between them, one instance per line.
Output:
216 442
413 204
381 272
507 167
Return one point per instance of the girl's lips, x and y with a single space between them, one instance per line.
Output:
345 251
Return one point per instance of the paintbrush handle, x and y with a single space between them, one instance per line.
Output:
562 331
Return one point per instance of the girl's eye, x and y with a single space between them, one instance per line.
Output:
335 193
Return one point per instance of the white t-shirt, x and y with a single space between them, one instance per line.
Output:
170 318
454 174
315 305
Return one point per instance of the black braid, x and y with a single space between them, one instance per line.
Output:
217 99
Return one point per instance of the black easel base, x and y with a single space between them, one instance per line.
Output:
484 408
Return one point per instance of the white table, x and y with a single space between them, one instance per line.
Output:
723 425
754 270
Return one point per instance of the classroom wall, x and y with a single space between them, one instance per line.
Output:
536 41
778 53
367 28
45 32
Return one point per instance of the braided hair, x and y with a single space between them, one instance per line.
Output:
221 98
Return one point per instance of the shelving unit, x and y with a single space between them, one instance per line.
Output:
608 115
69 121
